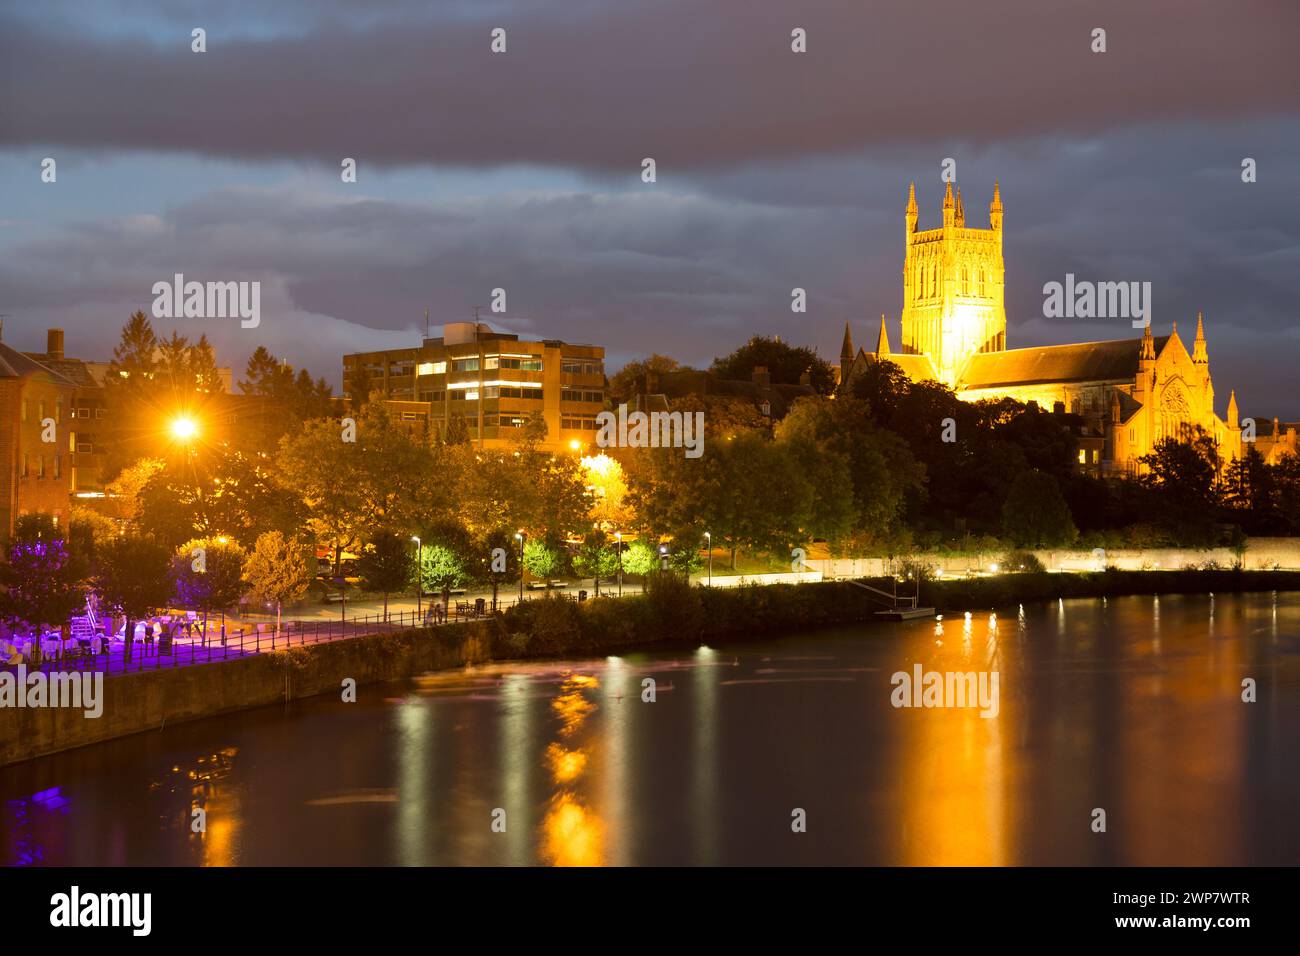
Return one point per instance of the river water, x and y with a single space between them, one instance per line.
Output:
1131 706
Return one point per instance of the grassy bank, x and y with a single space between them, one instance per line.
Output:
670 612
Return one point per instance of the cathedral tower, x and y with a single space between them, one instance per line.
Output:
953 303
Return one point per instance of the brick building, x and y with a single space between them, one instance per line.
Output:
37 438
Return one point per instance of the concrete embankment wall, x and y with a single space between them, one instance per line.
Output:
144 701
1261 554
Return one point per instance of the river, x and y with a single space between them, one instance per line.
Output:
1132 706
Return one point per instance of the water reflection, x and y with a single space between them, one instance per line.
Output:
572 834
1131 704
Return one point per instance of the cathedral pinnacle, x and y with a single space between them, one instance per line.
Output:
1148 352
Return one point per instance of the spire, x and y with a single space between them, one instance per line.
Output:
846 350
1148 352
1200 354
1232 410
995 208
882 343
910 214
949 207
961 211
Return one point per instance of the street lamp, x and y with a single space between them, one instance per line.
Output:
419 576
663 557
183 428
519 536
619 536
708 540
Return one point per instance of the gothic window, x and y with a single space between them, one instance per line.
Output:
1175 413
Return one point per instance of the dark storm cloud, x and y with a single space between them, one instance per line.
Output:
695 273
692 84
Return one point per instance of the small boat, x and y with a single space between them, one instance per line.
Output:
905 613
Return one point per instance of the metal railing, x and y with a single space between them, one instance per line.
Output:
259 638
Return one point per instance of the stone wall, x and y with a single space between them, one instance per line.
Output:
145 701
1261 554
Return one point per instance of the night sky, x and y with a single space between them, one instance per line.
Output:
522 170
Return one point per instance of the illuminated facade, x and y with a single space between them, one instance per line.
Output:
952 287
1133 392
492 381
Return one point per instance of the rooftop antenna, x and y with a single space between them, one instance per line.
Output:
426 321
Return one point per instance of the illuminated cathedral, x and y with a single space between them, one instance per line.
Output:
1127 393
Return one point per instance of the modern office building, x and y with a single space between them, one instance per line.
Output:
492 381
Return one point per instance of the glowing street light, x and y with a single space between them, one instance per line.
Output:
708 540
419 579
519 536
575 445
183 428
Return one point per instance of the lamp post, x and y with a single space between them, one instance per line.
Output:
663 557
619 536
708 540
519 536
419 576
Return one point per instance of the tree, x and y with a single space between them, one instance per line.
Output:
387 564
132 578
596 559
863 476
87 530
542 560
442 569
631 378
880 384
280 569
384 479
280 401
358 386
133 357
609 508
639 559
218 491
1182 477
1035 514
209 575
40 581
785 364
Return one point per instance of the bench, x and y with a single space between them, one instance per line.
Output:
334 597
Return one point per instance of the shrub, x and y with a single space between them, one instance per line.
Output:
1021 561
672 606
